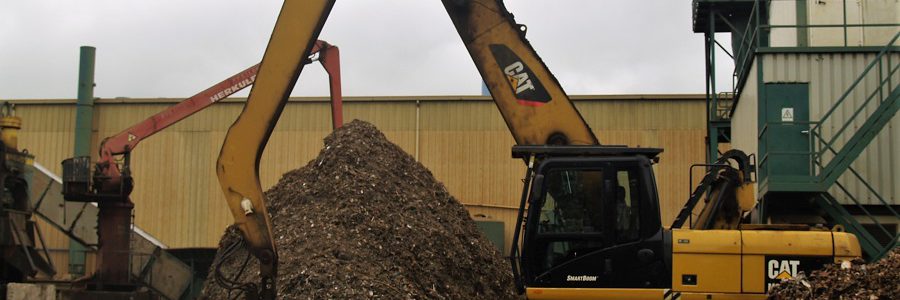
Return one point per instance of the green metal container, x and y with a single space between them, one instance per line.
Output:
493 230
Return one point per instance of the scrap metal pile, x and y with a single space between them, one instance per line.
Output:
364 220
850 280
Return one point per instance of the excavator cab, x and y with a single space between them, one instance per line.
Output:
592 219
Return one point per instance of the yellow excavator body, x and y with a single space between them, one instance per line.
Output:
729 264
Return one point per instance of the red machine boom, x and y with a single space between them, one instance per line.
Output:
127 140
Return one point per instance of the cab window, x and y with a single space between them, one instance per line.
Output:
627 206
571 204
586 210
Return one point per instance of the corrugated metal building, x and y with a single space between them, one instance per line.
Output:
463 140
828 76
816 93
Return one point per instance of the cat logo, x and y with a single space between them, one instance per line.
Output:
782 269
517 78
779 268
524 84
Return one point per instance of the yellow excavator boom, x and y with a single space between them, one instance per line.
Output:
296 30
531 100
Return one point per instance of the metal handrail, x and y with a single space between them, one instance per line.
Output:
764 131
860 78
765 127
746 56
869 244
833 25
722 110
843 25
748 46
865 183
863 208
860 109
753 12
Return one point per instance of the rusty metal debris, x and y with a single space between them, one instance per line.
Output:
847 280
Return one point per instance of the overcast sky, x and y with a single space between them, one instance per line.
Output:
166 48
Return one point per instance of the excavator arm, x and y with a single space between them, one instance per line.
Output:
531 100
726 191
296 29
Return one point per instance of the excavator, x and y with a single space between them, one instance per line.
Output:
589 225
110 183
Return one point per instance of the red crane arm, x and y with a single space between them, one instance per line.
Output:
125 141
330 57
129 138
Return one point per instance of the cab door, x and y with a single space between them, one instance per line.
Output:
595 224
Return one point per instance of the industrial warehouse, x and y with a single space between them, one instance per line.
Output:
783 184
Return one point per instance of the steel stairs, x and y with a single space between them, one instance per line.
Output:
834 152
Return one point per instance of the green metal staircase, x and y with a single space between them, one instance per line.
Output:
833 153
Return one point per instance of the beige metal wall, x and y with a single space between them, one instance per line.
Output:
820 12
745 120
463 140
830 75
783 13
857 12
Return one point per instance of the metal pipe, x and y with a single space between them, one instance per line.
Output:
712 131
84 108
84 120
844 3
418 114
520 217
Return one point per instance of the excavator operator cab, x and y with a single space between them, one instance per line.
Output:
592 219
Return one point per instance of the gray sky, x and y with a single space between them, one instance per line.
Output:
166 48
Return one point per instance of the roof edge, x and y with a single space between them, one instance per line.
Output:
614 97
